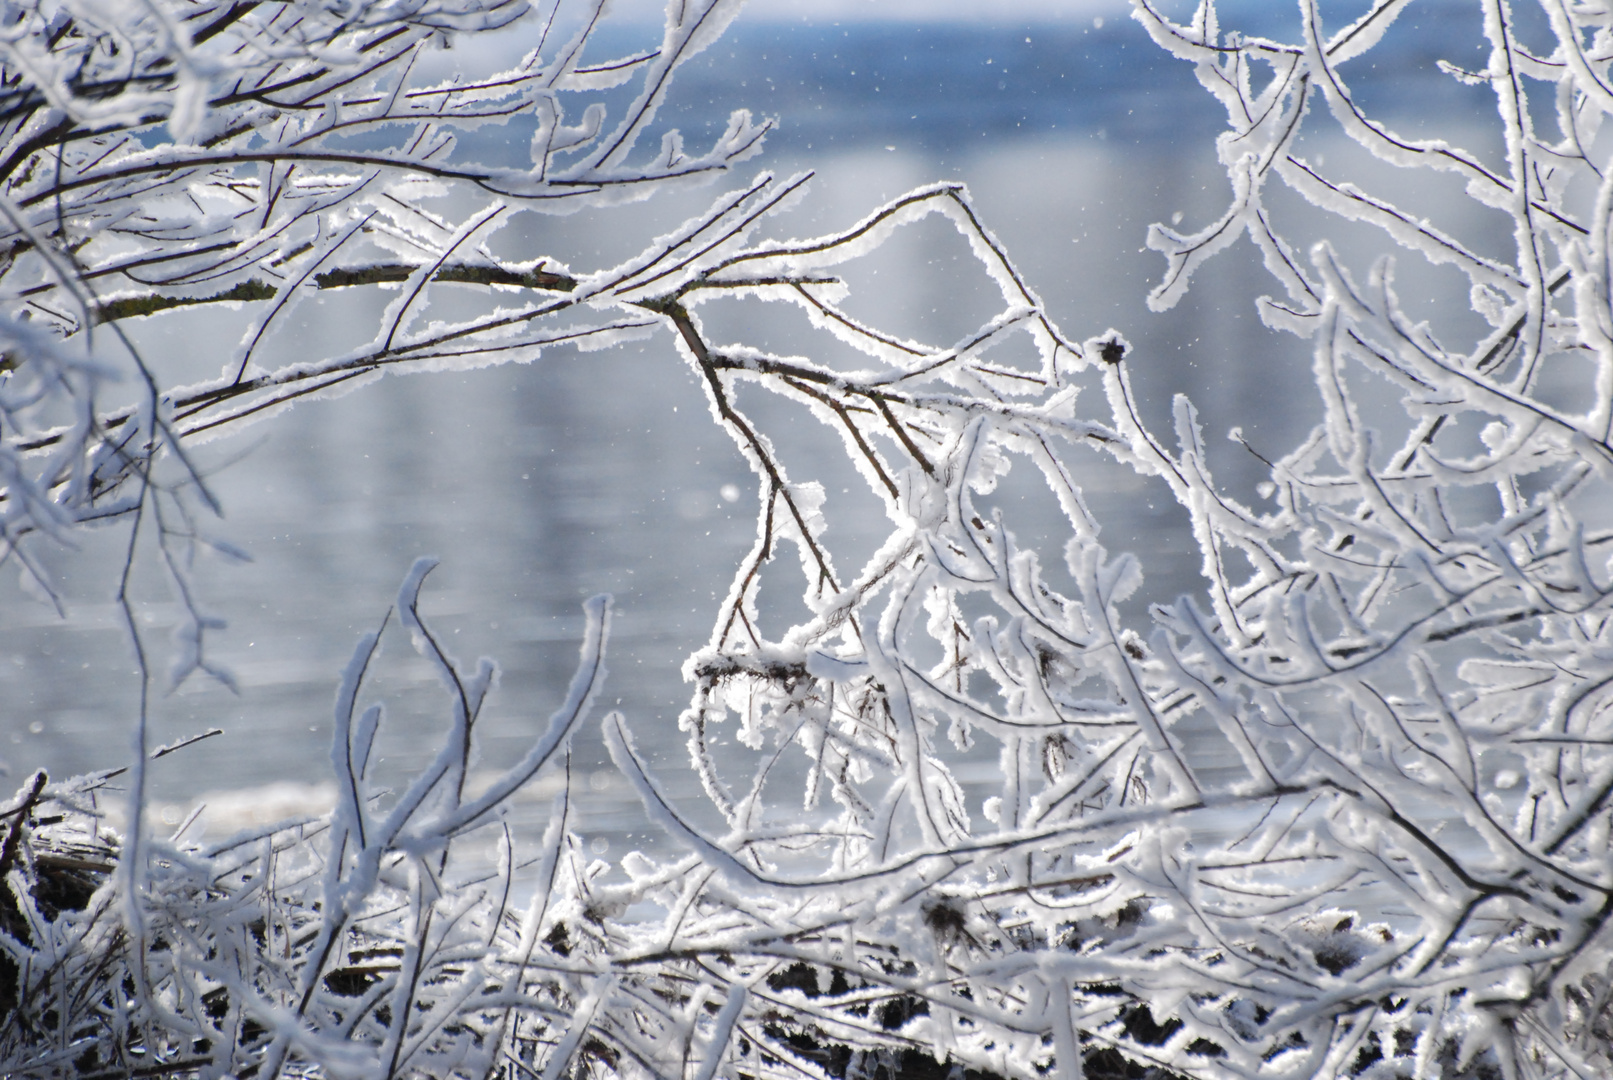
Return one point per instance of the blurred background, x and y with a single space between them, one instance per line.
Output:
541 485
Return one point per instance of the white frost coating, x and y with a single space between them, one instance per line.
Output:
1066 1044
335 878
1327 652
1184 254
344 741
1392 860
583 1017
259 204
619 742
721 1031
691 26
820 665
1361 36
584 687
1352 204
401 313
290 295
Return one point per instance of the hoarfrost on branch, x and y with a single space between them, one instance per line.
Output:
1406 648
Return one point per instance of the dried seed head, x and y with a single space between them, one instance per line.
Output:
946 920
1111 346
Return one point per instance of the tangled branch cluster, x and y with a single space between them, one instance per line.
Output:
156 156
969 817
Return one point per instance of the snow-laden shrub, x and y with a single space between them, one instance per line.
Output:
348 944
1405 648
969 817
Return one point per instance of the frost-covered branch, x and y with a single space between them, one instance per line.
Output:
349 945
1403 650
157 156
967 811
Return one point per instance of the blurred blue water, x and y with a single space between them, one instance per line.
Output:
943 89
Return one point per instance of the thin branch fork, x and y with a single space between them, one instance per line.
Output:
679 317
